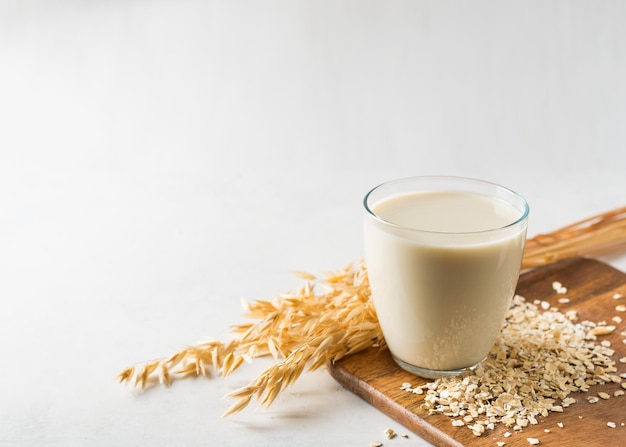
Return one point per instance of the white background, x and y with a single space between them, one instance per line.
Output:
160 160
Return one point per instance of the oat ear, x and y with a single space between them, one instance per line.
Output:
323 321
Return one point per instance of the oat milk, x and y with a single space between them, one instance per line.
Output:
443 268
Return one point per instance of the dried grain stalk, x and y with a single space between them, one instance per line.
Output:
331 317
599 234
325 320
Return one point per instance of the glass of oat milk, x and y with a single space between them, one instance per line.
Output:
443 256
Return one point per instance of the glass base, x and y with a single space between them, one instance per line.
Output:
430 373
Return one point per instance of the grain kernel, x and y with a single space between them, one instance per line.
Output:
477 429
559 288
602 330
390 433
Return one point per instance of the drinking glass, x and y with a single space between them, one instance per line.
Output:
443 256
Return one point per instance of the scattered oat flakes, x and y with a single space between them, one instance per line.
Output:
533 441
617 296
624 385
376 444
390 433
611 424
539 359
500 443
618 393
560 424
507 434
545 305
620 308
564 300
567 402
616 319
405 435
592 399
604 395
559 288
477 429
546 430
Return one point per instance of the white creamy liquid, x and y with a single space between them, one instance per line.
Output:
440 296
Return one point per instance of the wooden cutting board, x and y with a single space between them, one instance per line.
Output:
591 284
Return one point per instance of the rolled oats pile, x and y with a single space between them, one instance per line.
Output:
540 358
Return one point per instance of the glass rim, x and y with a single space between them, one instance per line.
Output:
518 221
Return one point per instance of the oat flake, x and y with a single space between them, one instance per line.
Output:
537 361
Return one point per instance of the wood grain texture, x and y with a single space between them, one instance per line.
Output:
591 284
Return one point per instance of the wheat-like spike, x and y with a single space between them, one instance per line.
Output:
126 375
150 367
142 378
164 376
176 358
304 275
237 406
598 234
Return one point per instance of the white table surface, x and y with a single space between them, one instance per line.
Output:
161 160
